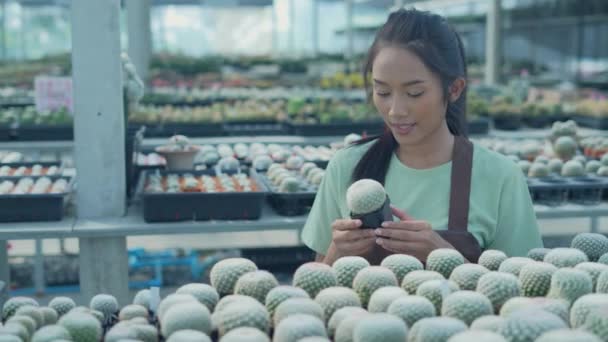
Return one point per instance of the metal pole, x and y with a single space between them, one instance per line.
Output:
5 274
99 152
493 46
39 268
3 36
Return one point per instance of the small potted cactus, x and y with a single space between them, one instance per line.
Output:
367 201
179 153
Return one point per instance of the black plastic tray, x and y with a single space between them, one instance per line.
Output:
308 130
555 190
33 207
592 122
171 207
478 126
45 132
236 128
507 123
290 204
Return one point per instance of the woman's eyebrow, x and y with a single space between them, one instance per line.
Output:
405 84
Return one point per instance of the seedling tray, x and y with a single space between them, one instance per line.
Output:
33 207
239 128
45 165
201 206
290 203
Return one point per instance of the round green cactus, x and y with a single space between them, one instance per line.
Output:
204 293
436 290
573 168
401 264
466 306
256 284
314 277
435 329
514 265
529 324
467 275
498 287
370 279
225 273
568 335
565 257
342 314
538 254
491 259
535 278
411 309
280 294
380 327
334 298
365 196
245 334
444 261
298 326
347 268
488 323
383 297
565 147
293 306
594 245
569 284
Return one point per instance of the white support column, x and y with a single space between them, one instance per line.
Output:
99 142
493 46
349 30
273 30
5 274
140 36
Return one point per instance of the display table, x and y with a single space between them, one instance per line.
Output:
133 224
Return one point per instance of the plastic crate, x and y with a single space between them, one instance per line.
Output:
587 190
290 204
45 132
551 191
197 206
33 207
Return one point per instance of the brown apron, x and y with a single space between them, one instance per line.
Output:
457 233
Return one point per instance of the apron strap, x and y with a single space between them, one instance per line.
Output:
460 191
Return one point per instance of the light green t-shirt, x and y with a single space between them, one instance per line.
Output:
501 213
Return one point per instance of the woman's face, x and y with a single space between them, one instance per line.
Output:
408 96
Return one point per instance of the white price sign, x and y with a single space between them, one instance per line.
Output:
53 93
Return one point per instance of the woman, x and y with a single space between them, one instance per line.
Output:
446 191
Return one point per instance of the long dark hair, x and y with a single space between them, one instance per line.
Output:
435 42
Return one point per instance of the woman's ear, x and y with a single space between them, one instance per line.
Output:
457 88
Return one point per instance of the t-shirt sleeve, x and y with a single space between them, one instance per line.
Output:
317 231
517 230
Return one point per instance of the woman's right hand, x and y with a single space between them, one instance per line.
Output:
349 239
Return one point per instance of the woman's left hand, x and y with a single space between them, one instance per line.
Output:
409 236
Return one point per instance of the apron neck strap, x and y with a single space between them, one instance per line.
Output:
460 188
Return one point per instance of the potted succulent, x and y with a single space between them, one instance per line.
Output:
179 153
505 114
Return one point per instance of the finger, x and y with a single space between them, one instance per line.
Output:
398 234
361 244
397 246
353 235
407 225
346 224
400 214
